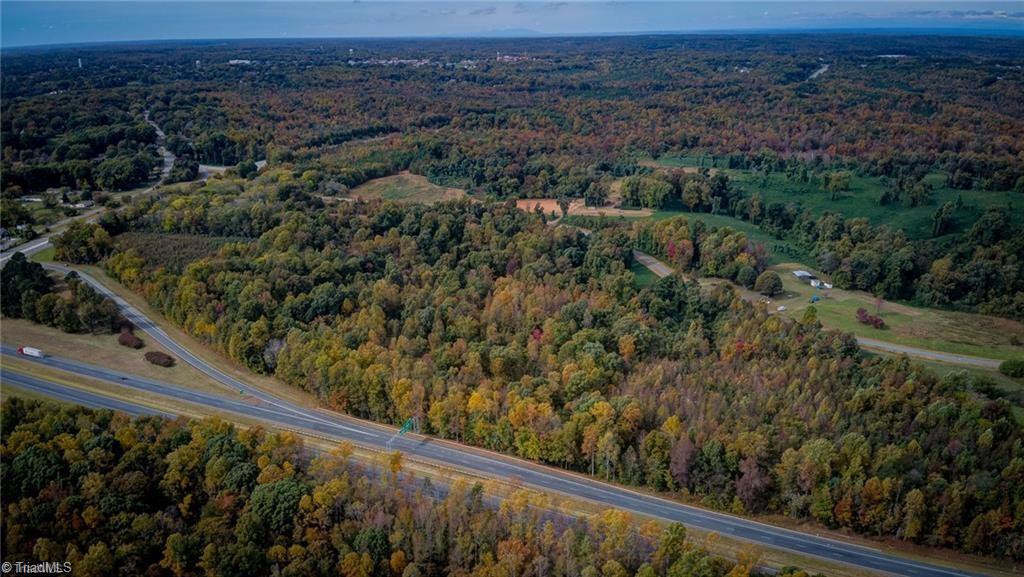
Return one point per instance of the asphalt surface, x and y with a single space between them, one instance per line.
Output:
75 396
35 245
468 460
662 270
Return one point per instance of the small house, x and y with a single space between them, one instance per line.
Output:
804 275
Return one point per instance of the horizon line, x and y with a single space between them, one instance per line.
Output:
965 32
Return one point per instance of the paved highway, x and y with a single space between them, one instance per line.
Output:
143 323
477 462
35 245
75 396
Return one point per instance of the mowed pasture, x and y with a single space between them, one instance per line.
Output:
405 187
861 199
934 329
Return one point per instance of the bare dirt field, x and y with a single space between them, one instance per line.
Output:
577 207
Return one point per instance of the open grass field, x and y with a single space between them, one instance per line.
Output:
934 329
861 200
405 187
45 255
643 277
938 330
102 350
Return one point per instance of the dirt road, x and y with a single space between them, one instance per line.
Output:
662 270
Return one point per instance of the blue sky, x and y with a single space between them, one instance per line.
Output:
39 22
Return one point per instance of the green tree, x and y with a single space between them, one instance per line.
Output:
82 242
768 283
275 504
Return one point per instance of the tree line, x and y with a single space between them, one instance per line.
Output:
30 293
974 270
500 331
149 496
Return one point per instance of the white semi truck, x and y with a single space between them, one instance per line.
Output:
31 352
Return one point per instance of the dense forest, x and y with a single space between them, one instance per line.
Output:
502 331
565 118
71 305
147 496
552 116
981 269
62 142
505 331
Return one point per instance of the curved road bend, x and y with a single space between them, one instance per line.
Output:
35 245
143 323
487 464
662 270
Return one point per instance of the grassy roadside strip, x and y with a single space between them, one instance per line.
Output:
304 399
511 489
200 349
499 489
98 387
104 350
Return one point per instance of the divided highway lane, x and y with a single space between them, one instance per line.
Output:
143 323
239 406
75 396
487 464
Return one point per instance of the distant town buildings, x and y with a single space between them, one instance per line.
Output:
413 62
511 58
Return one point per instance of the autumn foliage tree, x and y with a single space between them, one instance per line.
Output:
499 330
151 496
